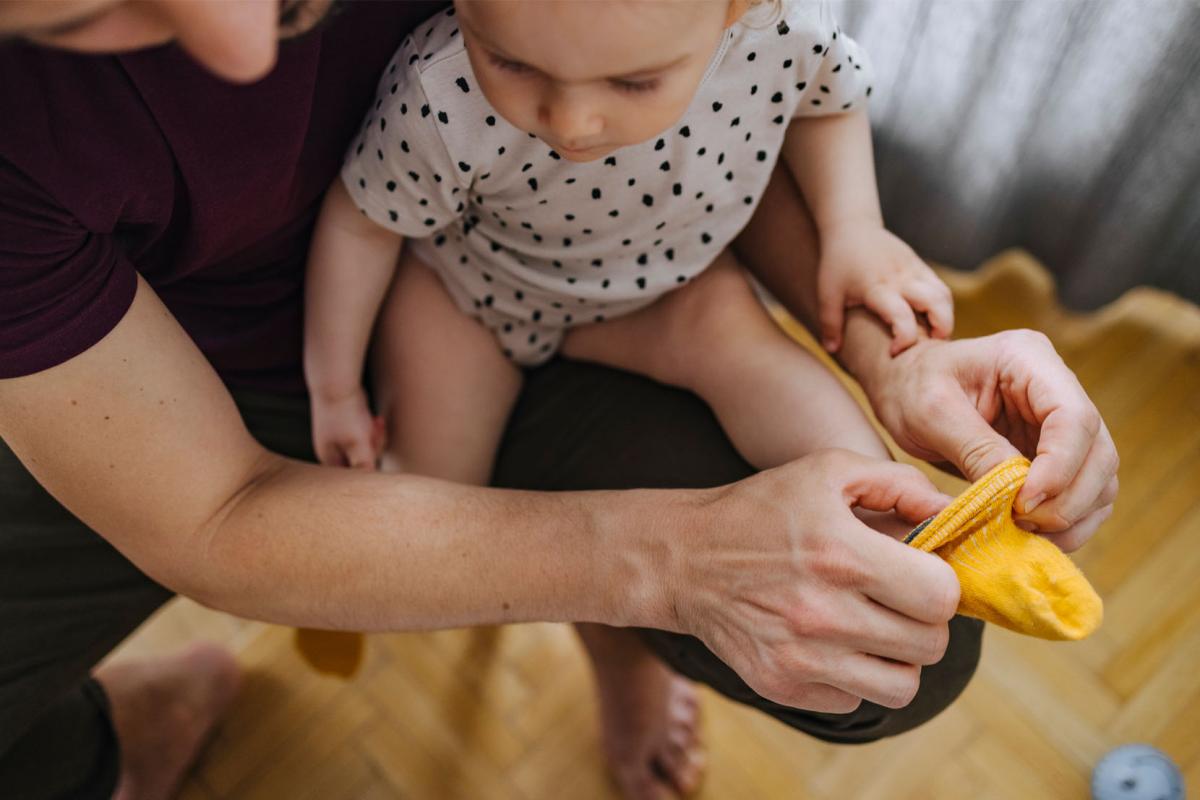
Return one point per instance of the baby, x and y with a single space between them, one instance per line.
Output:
570 176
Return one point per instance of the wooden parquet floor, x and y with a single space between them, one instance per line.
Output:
507 713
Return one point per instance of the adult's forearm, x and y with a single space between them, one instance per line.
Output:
139 439
317 546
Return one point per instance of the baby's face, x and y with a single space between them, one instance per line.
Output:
591 76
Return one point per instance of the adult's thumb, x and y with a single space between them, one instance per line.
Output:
963 437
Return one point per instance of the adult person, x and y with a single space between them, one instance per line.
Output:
153 220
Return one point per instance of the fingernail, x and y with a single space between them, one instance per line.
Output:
830 345
1027 526
1030 505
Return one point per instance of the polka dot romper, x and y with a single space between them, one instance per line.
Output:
529 243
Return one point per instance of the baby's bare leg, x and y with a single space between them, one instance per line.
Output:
442 383
774 399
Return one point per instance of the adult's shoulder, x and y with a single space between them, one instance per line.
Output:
69 120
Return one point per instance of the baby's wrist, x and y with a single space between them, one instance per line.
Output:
852 224
331 394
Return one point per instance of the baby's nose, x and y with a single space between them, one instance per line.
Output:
572 122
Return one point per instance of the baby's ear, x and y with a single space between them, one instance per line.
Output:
737 8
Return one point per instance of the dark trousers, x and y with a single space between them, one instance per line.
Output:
67 597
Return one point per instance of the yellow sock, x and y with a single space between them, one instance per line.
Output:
1009 576
330 652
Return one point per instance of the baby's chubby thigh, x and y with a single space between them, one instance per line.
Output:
442 382
688 335
523 332
714 337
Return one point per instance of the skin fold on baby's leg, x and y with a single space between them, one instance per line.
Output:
775 400
442 384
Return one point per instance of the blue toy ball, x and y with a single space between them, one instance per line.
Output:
1136 772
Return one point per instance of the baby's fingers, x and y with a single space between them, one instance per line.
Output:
336 451
359 454
832 315
934 300
894 310
329 454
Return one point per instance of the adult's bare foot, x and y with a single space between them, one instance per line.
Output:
163 710
649 717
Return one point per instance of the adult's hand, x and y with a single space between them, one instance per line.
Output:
976 402
808 605
972 402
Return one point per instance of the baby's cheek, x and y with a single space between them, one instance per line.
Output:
646 120
515 105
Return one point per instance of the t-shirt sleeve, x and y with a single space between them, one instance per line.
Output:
62 287
834 73
399 170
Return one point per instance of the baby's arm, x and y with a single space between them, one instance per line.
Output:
862 263
350 265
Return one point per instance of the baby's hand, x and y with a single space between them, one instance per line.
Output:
866 265
344 432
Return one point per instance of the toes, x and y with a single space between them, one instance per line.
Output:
683 716
691 698
693 773
685 703
681 756
682 766
684 723
643 784
681 738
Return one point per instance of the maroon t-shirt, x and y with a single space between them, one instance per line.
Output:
111 166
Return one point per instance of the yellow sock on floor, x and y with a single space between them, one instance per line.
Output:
1009 576
330 652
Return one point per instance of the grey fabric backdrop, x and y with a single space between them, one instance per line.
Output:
1068 127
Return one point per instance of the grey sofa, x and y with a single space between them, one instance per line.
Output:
1068 127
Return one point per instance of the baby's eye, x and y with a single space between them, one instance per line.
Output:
635 86
506 64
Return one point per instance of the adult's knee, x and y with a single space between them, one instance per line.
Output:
941 684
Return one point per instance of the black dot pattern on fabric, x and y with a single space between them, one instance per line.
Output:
517 232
